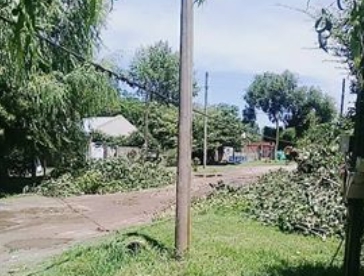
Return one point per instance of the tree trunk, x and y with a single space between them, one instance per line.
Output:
3 172
44 167
277 140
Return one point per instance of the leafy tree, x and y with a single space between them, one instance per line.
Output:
271 93
163 125
345 32
280 94
251 133
225 128
73 24
44 117
44 91
157 68
305 100
162 121
249 115
288 136
132 109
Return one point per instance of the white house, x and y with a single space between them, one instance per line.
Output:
112 126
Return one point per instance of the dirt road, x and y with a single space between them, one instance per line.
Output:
33 228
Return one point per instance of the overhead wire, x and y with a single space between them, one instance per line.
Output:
126 80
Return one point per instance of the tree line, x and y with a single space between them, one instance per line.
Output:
45 91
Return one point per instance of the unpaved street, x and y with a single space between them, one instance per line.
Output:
33 228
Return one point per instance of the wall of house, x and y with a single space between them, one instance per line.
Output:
100 151
251 151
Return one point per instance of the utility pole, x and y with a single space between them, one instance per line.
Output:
342 98
146 124
205 121
183 221
355 194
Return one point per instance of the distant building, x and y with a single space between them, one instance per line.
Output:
115 126
259 150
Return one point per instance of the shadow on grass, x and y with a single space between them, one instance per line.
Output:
304 270
116 249
153 243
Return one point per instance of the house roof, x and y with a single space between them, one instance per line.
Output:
113 126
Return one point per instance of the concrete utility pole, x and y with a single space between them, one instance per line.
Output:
183 221
342 98
205 122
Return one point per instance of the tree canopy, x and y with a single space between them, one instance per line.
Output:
44 90
35 27
285 102
225 128
271 93
306 100
156 67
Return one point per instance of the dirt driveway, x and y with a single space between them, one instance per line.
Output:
33 227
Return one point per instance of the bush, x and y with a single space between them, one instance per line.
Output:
108 176
170 158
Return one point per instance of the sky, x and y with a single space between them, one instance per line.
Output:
233 40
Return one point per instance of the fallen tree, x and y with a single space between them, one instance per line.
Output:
108 176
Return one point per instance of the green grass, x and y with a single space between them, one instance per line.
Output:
223 243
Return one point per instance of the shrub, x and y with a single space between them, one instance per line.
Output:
170 158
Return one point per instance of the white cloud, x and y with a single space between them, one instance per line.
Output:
247 36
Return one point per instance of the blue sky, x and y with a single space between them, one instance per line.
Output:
234 40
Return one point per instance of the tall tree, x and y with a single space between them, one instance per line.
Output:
157 68
343 35
306 100
225 128
74 24
45 91
163 120
271 93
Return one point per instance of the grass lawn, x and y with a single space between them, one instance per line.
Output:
223 243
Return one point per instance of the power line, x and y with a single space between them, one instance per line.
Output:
118 76
125 79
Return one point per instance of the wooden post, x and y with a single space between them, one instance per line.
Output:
274 157
185 130
355 220
342 99
146 123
